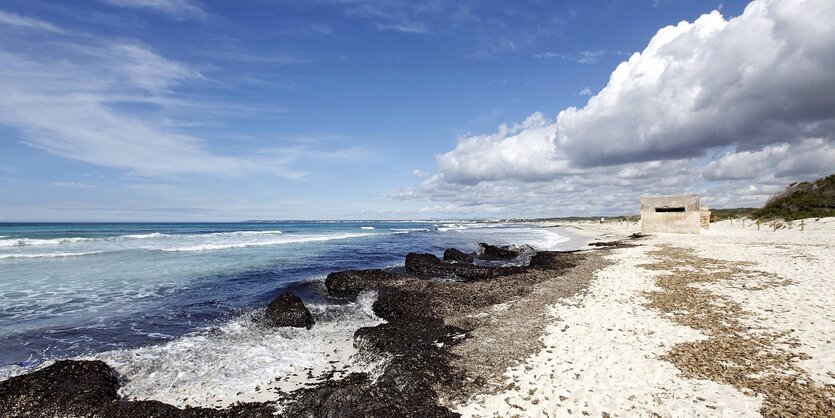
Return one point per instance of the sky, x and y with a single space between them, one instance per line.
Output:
210 110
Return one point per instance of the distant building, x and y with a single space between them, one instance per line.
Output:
676 214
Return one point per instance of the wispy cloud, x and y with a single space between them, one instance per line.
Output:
260 58
582 57
76 98
397 15
175 8
73 185
12 19
412 27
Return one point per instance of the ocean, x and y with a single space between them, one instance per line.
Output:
171 304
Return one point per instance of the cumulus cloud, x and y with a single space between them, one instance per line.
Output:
522 151
760 78
748 99
780 160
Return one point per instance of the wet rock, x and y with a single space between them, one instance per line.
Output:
75 388
66 388
492 252
429 264
288 310
455 255
349 283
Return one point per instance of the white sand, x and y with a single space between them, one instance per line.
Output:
603 347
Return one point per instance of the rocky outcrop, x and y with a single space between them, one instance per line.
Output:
73 388
492 252
429 264
288 310
66 388
554 260
349 283
457 256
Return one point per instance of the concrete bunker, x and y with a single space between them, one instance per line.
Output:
675 214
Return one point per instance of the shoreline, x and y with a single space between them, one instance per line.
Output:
362 348
601 331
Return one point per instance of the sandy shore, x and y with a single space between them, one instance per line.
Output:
733 322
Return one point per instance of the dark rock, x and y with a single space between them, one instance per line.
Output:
554 260
452 254
66 388
357 396
492 252
288 310
75 388
349 283
604 244
430 265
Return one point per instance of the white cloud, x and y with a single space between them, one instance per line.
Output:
586 92
809 157
74 185
707 107
582 57
109 103
418 173
177 8
760 78
411 27
69 109
11 19
523 151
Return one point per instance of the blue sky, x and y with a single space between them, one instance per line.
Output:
346 109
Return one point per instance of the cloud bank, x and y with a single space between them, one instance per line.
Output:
726 108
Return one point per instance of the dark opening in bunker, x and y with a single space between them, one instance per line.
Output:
678 209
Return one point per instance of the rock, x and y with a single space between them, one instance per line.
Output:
421 263
604 244
76 388
454 255
492 252
554 260
349 283
288 310
431 265
66 388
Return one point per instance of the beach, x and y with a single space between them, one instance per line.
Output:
735 321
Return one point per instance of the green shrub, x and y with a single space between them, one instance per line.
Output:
801 200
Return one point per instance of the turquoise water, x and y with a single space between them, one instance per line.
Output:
75 289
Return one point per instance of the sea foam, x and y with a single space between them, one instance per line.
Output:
47 255
242 360
24 242
294 239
